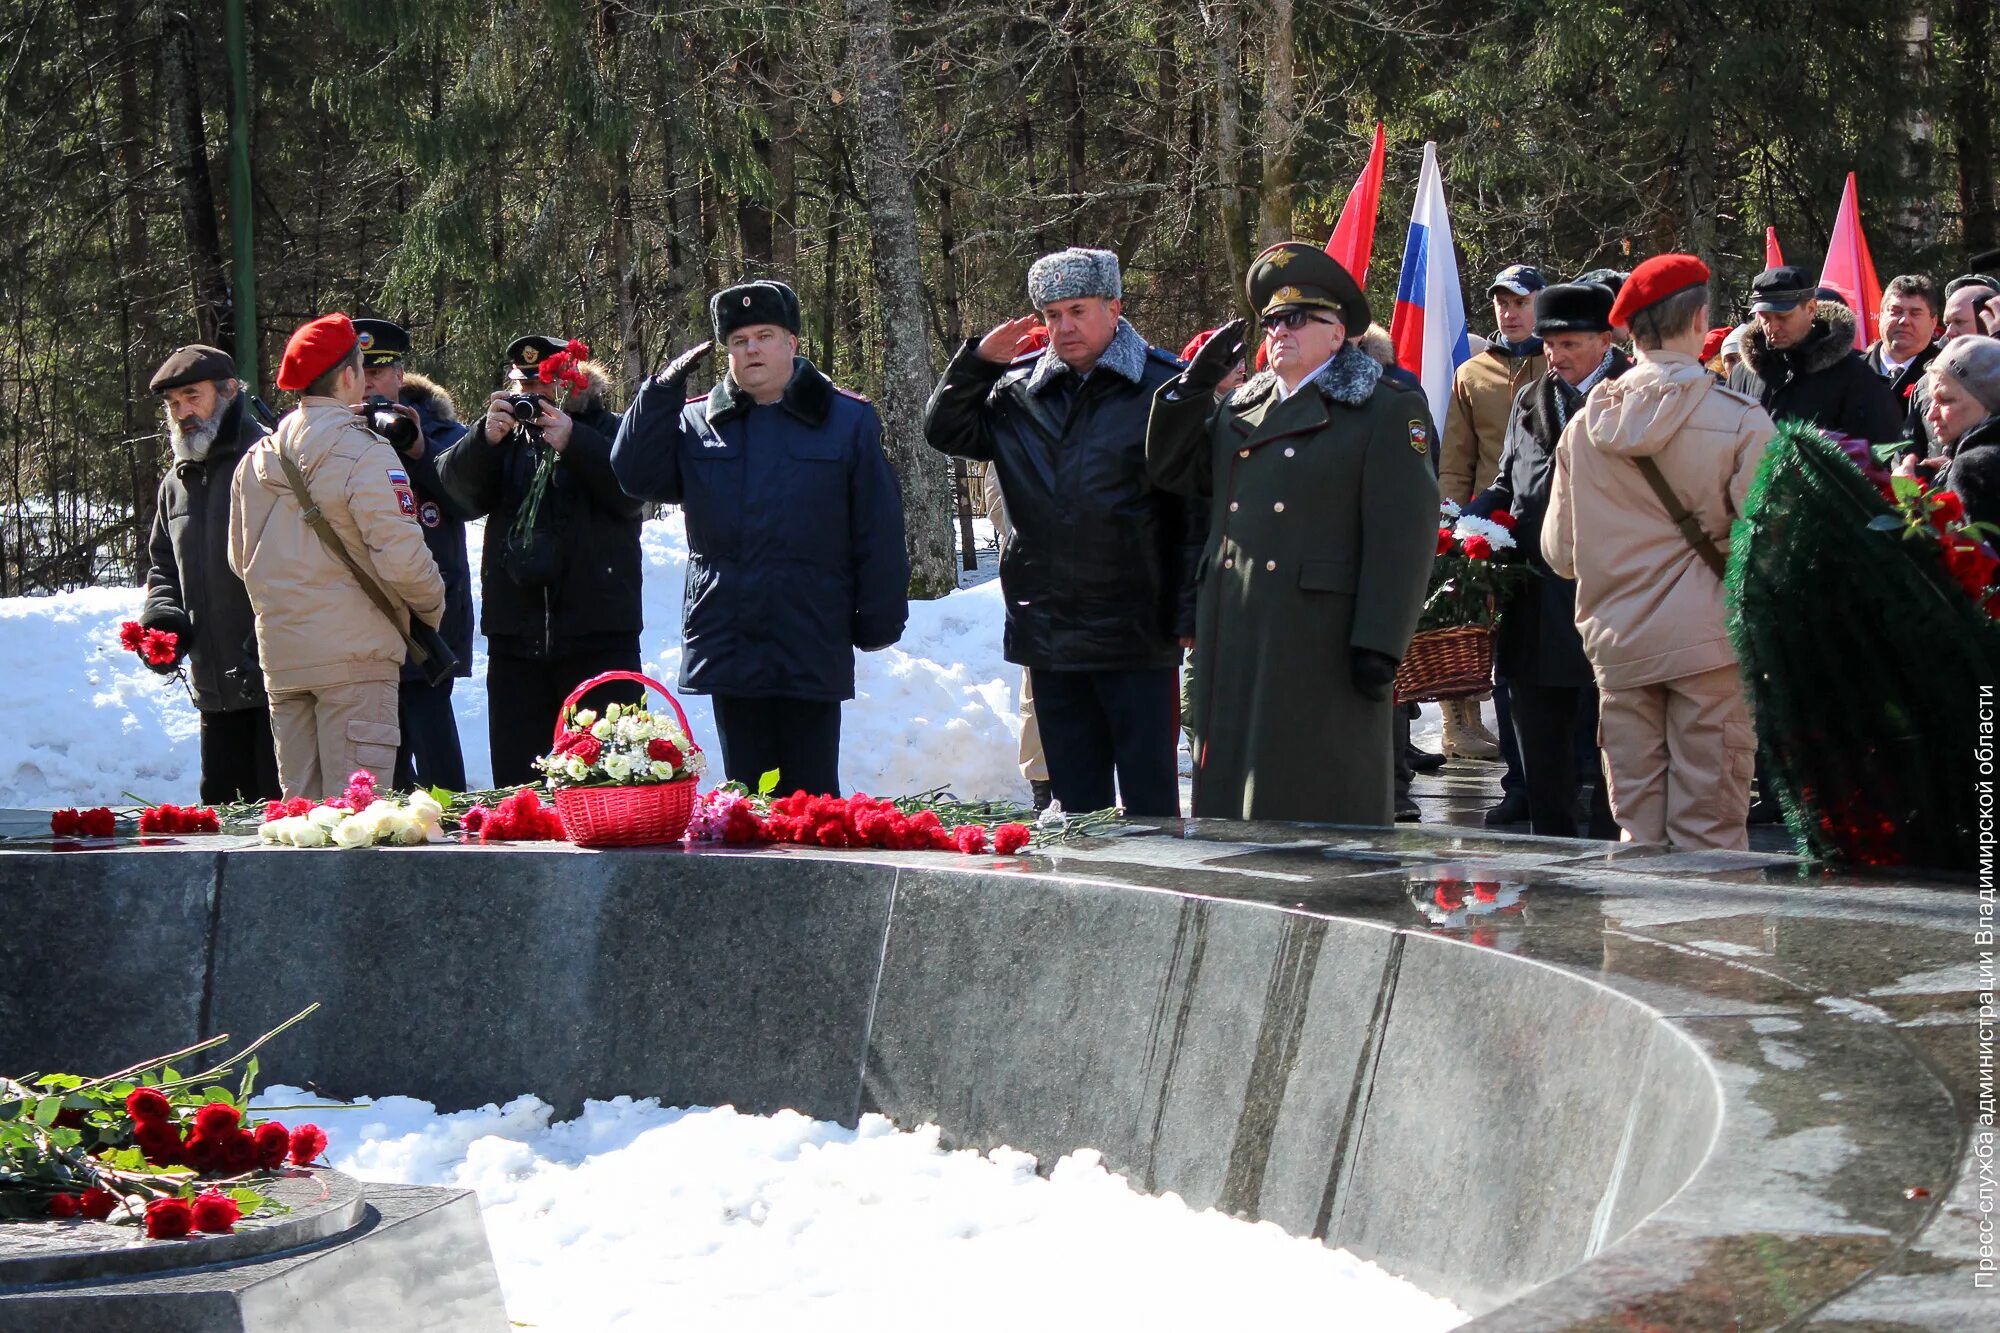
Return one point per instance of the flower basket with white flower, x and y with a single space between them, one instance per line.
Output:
1451 656
624 777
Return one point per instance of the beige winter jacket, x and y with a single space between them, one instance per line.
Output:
1647 606
315 626
1475 419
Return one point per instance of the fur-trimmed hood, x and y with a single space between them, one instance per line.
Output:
809 396
1825 346
1125 357
428 396
595 398
1349 379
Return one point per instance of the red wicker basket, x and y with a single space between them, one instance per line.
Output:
1454 663
647 814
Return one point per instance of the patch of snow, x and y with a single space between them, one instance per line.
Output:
635 1215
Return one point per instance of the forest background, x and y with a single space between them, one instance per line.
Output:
595 168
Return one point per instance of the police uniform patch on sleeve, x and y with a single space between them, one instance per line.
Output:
1420 437
429 514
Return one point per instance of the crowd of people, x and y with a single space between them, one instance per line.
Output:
1270 534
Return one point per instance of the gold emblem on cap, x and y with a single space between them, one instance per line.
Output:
1287 296
1281 258
530 354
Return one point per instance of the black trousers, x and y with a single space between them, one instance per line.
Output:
524 694
239 761
1097 725
1545 719
1399 748
798 737
429 755
1511 780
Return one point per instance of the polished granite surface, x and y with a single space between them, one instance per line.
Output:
1850 1184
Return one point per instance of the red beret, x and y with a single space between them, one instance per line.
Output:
1654 281
1713 342
1196 343
314 349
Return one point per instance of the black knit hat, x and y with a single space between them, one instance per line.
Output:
765 301
1573 307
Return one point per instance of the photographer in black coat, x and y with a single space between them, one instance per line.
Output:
430 754
559 572
190 590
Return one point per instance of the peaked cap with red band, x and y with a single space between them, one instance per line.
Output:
314 349
1653 282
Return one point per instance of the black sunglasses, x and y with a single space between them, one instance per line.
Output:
1291 319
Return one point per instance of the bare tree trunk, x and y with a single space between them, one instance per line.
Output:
1281 122
1973 107
1226 43
894 254
181 95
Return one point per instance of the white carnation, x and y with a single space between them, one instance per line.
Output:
1496 536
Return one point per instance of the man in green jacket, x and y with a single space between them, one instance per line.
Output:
1323 524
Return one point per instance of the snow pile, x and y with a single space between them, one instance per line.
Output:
84 721
635 1216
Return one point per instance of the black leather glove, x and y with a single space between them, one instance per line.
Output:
677 369
168 620
1373 673
1212 364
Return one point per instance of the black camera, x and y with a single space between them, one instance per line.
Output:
382 418
526 407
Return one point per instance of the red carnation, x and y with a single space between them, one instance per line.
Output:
66 823
1477 547
146 1105
203 820
273 1142
1503 518
160 1143
216 1213
97 1204
65 1205
130 635
238 1152
1444 541
168 1219
1010 838
308 1142
99 823
665 751
216 1119
159 647
969 839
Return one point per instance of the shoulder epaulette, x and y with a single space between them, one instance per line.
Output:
850 393
1165 357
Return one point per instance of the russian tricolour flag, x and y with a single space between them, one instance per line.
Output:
1429 326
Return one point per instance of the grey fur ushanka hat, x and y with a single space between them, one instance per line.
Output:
1069 274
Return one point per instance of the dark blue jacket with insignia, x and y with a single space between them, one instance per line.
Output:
795 531
442 517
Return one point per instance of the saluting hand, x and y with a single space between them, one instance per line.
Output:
1009 340
677 369
1212 364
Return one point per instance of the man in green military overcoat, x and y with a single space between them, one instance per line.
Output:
1323 524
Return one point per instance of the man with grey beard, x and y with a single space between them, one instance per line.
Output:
190 590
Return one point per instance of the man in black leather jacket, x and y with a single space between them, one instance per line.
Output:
1095 573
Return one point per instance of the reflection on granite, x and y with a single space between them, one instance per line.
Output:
1722 1091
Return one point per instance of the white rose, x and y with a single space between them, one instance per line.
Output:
583 719
614 712
618 765
326 817
406 830
309 833
271 833
576 768
604 729
662 769
354 831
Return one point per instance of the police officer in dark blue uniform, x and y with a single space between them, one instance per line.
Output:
795 535
429 755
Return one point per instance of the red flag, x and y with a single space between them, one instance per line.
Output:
1773 256
1353 241
1849 268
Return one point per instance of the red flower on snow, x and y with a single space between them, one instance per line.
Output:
168 1219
